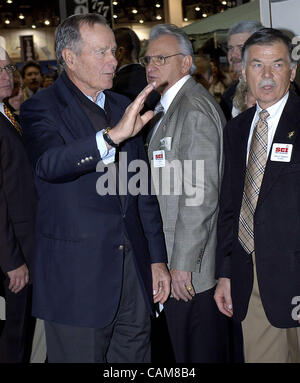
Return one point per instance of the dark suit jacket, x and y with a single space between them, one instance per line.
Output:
226 101
276 221
17 200
130 80
79 261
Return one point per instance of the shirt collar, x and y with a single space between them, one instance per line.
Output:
170 94
100 101
275 108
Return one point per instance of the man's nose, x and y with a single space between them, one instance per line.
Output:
236 52
112 59
151 64
267 71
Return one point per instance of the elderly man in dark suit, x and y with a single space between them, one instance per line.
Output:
258 243
95 251
17 214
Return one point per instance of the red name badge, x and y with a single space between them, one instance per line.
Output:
159 158
281 152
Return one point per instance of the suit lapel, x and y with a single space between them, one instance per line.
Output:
239 146
161 130
289 122
10 125
76 121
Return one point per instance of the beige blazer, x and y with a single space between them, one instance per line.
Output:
191 132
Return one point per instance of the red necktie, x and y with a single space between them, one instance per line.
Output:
12 119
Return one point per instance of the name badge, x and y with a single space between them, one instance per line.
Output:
281 152
159 158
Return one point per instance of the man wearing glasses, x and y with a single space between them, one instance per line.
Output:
17 209
187 129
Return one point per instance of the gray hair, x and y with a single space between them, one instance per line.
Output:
244 27
184 42
268 36
67 34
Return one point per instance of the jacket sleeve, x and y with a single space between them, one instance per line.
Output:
151 218
53 159
11 255
225 219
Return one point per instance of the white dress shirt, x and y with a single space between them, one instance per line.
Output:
275 112
107 156
168 97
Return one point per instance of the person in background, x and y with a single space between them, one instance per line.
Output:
16 98
32 76
218 84
203 71
236 38
48 79
243 98
18 201
130 77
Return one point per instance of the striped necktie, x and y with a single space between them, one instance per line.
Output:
254 175
12 119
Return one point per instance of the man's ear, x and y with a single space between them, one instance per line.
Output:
243 74
293 73
120 52
186 64
69 57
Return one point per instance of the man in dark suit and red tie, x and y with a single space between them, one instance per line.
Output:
17 229
100 259
258 254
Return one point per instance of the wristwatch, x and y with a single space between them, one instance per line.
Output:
108 139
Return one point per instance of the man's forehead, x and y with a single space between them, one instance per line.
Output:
164 44
31 69
277 48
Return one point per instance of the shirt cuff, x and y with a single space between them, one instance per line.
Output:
107 156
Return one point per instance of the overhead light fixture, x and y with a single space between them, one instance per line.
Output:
197 9
141 21
7 21
204 14
9 1
115 3
33 26
115 16
157 5
47 22
185 19
134 11
224 2
158 17
21 16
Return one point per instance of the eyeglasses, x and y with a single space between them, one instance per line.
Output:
157 60
8 68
